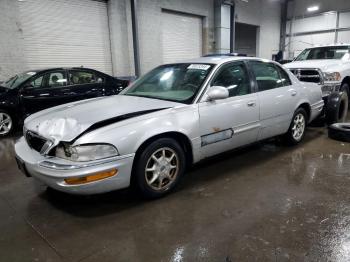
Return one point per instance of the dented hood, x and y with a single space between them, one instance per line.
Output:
66 122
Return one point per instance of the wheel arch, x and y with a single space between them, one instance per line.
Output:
306 106
346 80
179 137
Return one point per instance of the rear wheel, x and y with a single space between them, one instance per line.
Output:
159 167
296 131
6 123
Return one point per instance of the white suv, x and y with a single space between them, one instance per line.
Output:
328 66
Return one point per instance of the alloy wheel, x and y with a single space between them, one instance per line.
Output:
298 128
162 169
5 123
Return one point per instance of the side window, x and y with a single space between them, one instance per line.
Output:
284 76
235 78
57 79
81 77
37 82
266 75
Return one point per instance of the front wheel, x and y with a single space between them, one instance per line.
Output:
159 167
6 123
296 131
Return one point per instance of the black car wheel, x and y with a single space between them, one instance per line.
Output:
6 123
340 132
296 131
159 167
337 108
345 88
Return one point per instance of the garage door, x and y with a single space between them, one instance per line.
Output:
181 36
66 33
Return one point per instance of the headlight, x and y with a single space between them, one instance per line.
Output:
88 152
332 77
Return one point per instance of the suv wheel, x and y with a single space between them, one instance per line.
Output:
296 131
345 88
6 123
159 167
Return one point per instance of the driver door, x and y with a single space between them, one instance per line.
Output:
232 122
44 91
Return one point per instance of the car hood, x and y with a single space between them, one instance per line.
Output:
325 65
66 122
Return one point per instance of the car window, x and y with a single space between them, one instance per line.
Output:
37 82
235 78
284 76
81 77
266 75
57 79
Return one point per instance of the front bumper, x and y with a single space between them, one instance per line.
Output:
52 171
328 88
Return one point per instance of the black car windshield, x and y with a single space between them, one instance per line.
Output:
16 80
174 82
327 52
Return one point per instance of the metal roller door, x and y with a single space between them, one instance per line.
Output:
66 33
181 36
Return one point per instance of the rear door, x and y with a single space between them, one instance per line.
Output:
277 98
84 84
230 122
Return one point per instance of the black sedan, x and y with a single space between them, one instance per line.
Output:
32 91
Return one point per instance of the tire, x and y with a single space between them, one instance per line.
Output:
156 176
297 128
337 108
345 88
7 123
340 132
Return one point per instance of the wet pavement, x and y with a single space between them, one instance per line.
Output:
267 202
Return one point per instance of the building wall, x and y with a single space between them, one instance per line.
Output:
299 7
266 14
11 48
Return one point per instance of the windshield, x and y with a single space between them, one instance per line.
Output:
16 80
176 82
327 52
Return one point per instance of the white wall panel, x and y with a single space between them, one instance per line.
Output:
344 37
344 20
321 22
299 43
66 33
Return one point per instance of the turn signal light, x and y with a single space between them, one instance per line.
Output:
91 178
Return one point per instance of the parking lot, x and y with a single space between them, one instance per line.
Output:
266 202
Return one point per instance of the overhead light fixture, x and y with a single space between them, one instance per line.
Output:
313 8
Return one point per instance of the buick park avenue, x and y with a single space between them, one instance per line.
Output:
172 117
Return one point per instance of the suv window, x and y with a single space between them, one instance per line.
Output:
284 76
235 78
266 75
81 77
57 79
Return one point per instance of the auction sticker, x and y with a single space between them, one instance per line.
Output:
198 66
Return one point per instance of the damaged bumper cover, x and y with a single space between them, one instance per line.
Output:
54 171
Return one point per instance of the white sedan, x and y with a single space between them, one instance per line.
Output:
172 117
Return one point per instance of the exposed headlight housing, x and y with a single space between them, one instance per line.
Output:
86 152
332 77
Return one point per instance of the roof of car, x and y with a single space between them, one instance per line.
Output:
221 59
56 68
331 45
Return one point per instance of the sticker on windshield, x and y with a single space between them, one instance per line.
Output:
31 73
198 66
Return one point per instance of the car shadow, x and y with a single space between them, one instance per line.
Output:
225 165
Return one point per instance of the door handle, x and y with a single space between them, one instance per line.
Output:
294 93
251 103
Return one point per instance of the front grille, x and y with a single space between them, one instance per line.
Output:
34 141
308 75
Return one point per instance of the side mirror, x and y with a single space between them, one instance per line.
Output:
217 93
